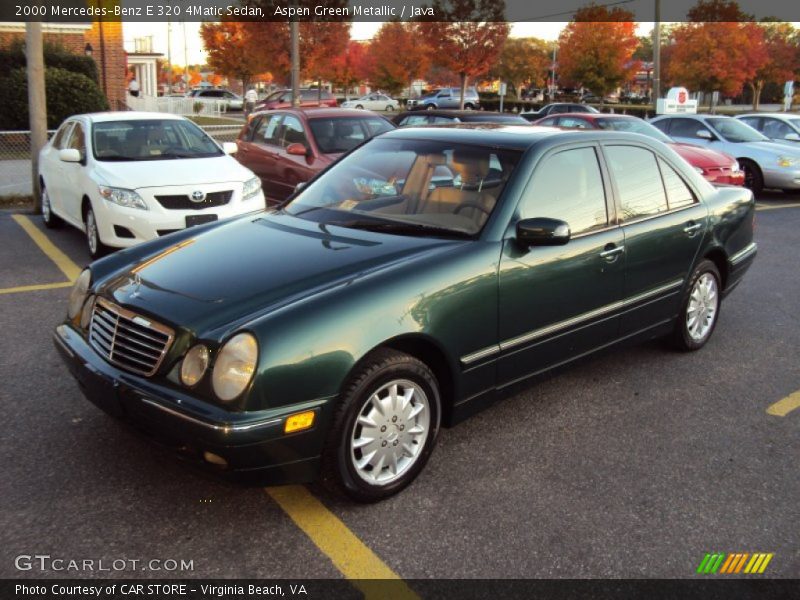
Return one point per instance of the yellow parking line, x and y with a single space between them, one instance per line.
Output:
33 288
783 407
776 206
348 553
63 262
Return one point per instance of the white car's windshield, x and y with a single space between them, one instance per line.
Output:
151 139
409 187
634 126
735 131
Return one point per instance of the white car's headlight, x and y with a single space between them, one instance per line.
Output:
235 365
78 293
123 197
735 168
788 161
251 188
194 365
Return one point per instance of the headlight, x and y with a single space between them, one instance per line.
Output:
235 365
735 168
788 161
77 295
126 198
194 365
251 188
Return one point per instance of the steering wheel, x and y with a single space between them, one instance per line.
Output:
474 205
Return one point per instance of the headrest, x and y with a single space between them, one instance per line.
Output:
472 165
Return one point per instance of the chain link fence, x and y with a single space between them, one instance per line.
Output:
15 156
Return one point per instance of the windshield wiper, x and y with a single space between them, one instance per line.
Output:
402 228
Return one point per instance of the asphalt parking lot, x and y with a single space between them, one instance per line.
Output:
634 464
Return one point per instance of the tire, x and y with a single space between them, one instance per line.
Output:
430 107
50 220
359 106
97 248
753 178
702 300
468 106
352 462
389 108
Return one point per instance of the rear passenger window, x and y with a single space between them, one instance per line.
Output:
568 186
678 193
638 179
268 130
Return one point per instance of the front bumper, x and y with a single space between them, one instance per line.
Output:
251 444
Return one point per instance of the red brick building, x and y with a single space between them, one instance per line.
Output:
102 38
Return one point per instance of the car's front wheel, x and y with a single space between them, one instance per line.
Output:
359 107
50 220
389 108
699 308
384 429
97 248
753 178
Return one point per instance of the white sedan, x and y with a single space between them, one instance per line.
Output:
379 102
128 177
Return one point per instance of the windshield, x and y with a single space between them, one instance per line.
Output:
795 122
151 139
409 187
633 126
735 131
336 135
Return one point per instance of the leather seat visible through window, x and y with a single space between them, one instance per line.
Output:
473 169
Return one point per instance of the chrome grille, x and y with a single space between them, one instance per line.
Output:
128 340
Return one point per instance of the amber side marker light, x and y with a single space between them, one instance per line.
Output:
298 422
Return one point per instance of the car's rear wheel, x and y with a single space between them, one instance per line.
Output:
430 106
359 106
385 427
50 220
753 178
468 106
389 108
699 308
97 248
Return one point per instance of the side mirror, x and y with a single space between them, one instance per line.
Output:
704 134
297 149
792 137
70 155
542 231
229 147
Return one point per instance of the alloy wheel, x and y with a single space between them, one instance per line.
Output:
91 232
702 308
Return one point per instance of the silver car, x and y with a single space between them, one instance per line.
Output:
783 128
765 163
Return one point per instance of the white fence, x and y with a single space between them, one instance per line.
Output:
179 105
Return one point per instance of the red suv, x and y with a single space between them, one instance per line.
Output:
289 146
283 99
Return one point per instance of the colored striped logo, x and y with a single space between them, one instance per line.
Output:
734 563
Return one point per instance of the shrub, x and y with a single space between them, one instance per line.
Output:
55 56
67 94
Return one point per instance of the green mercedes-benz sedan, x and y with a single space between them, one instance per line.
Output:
403 288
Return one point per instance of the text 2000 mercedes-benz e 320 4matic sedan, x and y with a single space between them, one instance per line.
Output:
403 288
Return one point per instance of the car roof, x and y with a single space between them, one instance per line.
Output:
696 117
591 116
322 112
515 137
443 112
772 115
129 115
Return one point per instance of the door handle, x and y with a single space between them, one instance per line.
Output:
611 252
692 228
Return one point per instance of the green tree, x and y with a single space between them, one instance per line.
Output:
523 62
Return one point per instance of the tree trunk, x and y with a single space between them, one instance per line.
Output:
757 88
37 111
463 89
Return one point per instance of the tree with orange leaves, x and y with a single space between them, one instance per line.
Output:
232 49
596 49
397 56
349 67
782 58
468 36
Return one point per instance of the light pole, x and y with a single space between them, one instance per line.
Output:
553 74
657 55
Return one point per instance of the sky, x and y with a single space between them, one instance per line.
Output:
359 31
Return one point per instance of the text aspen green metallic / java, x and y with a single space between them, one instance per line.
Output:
405 287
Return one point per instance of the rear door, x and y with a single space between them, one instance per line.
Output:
558 302
664 224
259 149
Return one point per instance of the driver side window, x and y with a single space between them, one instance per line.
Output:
568 185
77 140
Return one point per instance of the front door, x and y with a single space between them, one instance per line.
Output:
71 197
663 224
559 302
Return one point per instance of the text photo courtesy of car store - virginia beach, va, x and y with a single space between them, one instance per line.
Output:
444 299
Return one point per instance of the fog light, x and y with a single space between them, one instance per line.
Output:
298 422
214 459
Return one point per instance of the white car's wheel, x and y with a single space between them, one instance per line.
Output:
359 106
389 108
50 220
96 247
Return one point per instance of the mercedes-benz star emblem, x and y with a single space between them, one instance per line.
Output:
198 196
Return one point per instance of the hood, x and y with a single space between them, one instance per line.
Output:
181 171
253 265
698 156
769 148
